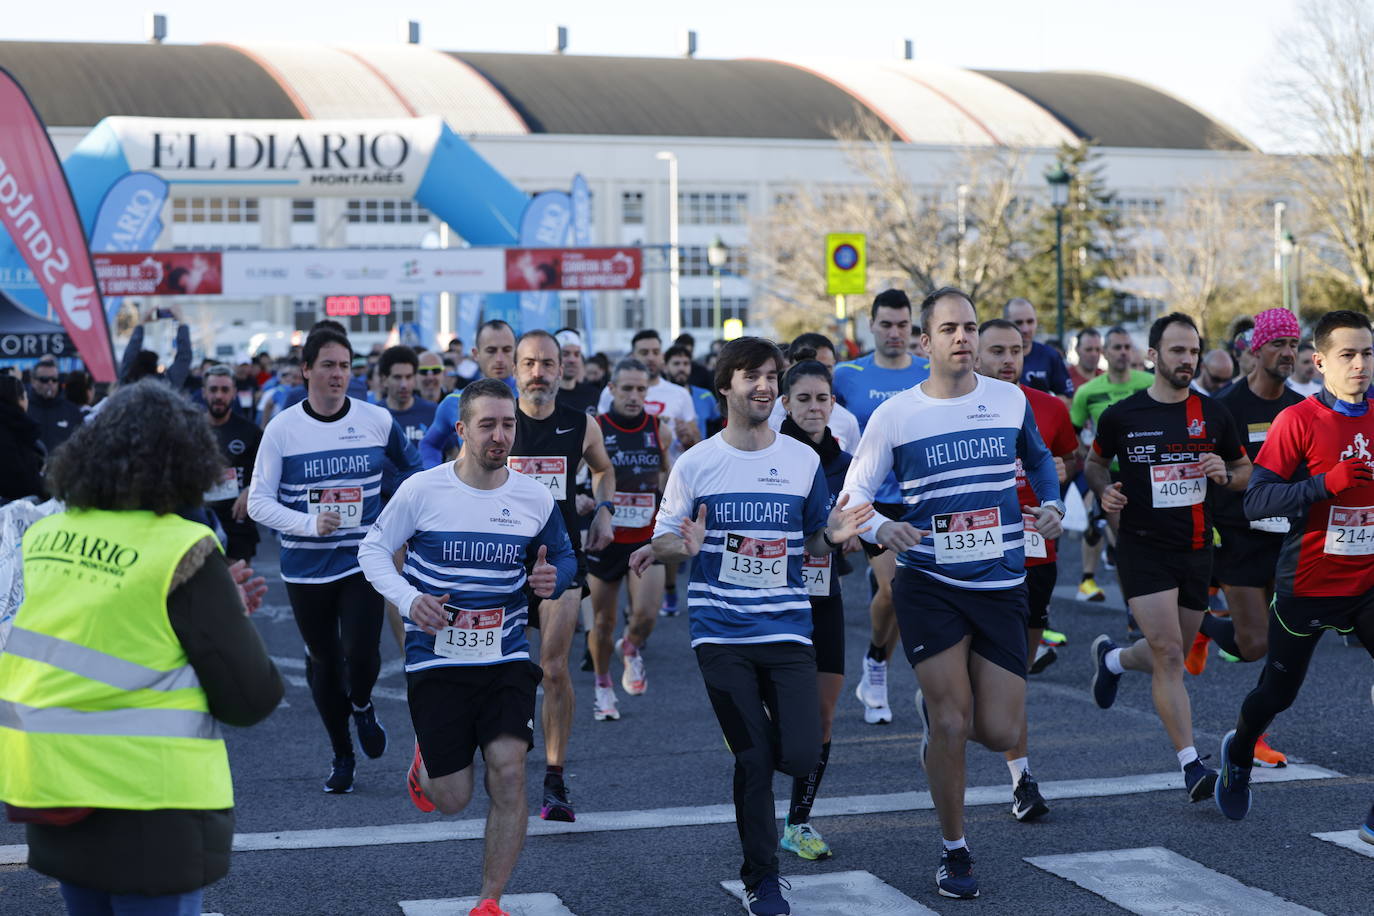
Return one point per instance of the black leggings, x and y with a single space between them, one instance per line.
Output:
1290 652
341 623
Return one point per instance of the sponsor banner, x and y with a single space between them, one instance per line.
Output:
38 212
159 273
545 223
252 273
129 219
352 158
582 237
574 268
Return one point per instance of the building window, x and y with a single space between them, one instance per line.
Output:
302 210
634 311
693 262
215 210
1138 207
571 311
393 211
712 208
700 311
632 208
307 312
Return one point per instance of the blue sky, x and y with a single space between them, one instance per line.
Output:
1212 53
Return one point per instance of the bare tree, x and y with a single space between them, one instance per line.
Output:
1323 94
959 230
1204 253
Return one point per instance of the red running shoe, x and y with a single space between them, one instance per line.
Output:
417 793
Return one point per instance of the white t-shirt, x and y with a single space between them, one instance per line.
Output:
1306 389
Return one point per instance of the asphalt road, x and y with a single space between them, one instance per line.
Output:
666 753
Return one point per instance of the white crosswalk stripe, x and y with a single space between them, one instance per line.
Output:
515 904
841 893
1350 839
1153 881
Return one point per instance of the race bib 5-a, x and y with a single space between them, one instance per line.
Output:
816 574
551 471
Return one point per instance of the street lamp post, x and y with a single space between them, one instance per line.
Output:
1059 180
717 255
1287 247
674 255
961 229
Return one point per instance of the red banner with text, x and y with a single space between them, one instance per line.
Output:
159 273
37 210
535 269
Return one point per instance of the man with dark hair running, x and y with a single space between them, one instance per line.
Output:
317 481
745 506
1171 443
1315 468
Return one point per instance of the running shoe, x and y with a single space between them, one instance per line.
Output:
488 907
371 735
1196 660
954 877
634 680
1097 523
587 664
1104 682
418 798
1052 638
805 841
872 692
1227 656
766 899
604 708
1232 791
340 781
1088 590
1266 756
1027 804
1044 657
1199 779
556 806
925 724
1367 828
669 606
1109 558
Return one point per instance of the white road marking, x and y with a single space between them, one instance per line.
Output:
1350 839
841 893
1153 880
378 693
436 831
515 904
395 666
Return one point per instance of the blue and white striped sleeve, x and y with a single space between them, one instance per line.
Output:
870 467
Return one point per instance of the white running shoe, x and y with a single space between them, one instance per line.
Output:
872 692
634 680
604 707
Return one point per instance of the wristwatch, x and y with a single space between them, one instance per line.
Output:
607 503
825 536
1057 505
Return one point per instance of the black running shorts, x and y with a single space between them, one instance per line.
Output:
1144 569
827 633
457 709
891 511
1039 590
933 616
1307 616
612 562
1246 557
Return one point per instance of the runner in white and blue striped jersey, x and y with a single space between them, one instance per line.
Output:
470 544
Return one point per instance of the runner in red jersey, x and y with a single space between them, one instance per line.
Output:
1316 468
1000 356
1171 443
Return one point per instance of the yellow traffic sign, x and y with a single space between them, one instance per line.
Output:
846 264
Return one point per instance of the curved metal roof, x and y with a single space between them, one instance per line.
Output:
668 97
1116 111
77 84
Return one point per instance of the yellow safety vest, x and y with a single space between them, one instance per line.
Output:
98 705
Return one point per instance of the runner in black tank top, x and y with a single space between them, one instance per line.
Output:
550 442
640 457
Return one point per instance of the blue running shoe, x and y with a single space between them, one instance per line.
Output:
925 725
1199 779
669 606
1232 792
1367 829
954 877
1104 682
766 899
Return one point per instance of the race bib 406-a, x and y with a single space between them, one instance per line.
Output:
1176 485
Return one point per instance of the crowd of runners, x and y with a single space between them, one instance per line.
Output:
460 501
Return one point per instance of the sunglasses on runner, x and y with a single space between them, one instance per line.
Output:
45 379
430 370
